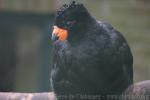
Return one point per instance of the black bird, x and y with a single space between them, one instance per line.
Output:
91 60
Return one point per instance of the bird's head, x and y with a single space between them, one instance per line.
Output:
70 17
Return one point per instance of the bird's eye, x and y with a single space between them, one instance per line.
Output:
71 23
68 22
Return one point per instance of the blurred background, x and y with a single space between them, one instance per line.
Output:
25 46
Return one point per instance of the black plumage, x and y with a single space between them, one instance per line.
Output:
95 60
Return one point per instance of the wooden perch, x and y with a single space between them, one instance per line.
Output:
138 91
27 96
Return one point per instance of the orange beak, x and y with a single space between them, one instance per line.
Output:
59 34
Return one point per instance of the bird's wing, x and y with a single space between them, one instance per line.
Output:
122 58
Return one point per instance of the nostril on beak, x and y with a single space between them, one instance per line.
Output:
54 37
